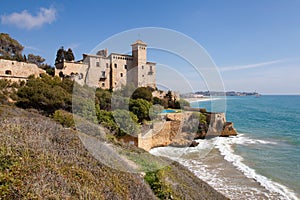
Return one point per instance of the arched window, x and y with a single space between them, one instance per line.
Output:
8 72
80 76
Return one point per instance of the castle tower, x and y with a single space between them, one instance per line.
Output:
141 73
139 53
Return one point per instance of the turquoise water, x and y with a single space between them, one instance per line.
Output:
270 135
168 111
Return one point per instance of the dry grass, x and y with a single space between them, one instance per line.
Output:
41 160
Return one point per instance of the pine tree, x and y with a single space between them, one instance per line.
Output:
60 55
69 55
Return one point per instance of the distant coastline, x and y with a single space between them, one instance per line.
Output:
208 94
197 99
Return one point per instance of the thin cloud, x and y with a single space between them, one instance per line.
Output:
32 48
256 65
73 46
26 20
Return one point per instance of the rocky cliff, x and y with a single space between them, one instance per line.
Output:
180 129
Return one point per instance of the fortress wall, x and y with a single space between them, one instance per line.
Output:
67 68
98 71
16 71
146 75
119 66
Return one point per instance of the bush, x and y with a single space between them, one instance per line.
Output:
142 93
64 118
140 108
8 90
46 93
159 187
103 98
181 103
127 122
106 119
158 101
85 108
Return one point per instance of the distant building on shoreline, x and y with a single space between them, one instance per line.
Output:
113 70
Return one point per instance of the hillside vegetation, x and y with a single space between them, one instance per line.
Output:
42 160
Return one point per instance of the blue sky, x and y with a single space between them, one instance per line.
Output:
255 44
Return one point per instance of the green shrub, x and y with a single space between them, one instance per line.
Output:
106 119
46 93
158 185
140 108
103 98
142 93
127 122
64 118
181 103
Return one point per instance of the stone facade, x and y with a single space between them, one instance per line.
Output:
71 69
114 70
18 71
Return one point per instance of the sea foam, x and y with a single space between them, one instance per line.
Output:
192 159
225 147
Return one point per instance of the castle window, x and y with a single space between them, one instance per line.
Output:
125 66
103 84
80 76
121 74
106 65
116 65
97 64
8 72
142 66
151 71
103 74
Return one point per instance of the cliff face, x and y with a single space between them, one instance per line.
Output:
228 130
180 129
218 126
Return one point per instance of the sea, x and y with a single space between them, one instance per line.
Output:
262 162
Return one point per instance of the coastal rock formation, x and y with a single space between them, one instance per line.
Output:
194 143
180 130
228 130
218 126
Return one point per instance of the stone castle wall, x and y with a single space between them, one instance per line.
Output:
119 67
75 70
113 71
18 71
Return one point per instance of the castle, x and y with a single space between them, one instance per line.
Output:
18 71
113 70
